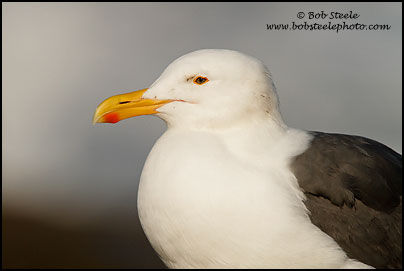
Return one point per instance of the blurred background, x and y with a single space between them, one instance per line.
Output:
70 188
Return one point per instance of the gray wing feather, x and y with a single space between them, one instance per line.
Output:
353 187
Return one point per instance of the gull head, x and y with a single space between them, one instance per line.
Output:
210 88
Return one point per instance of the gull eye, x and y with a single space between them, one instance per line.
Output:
200 80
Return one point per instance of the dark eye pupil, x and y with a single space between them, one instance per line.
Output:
200 80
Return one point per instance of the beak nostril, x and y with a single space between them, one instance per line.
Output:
125 102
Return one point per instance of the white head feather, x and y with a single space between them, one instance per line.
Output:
240 88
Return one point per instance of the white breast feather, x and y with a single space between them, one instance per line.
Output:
203 206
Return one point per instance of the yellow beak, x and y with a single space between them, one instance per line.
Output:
123 106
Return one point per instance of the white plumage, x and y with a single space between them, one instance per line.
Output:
216 190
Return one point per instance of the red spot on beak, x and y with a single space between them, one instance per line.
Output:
112 117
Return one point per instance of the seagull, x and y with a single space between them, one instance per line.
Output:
230 185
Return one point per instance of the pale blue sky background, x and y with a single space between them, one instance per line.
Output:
60 60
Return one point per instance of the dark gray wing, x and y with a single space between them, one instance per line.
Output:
353 187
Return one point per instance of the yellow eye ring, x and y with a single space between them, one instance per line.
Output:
200 80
